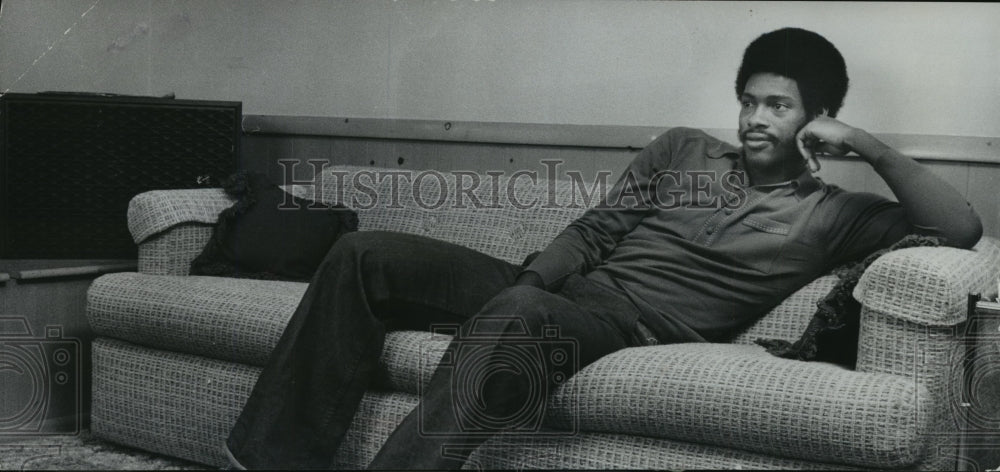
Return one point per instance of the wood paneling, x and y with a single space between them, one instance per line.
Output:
971 165
53 293
984 195
922 147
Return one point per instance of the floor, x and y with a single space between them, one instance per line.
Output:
81 451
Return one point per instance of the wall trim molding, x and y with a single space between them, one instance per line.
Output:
923 147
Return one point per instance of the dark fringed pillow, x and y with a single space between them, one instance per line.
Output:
832 334
264 237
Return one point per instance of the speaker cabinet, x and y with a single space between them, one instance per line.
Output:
70 163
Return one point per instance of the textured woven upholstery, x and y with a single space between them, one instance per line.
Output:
655 392
171 252
236 320
694 391
613 451
184 405
790 318
416 204
902 334
177 355
411 205
743 397
380 412
152 212
176 404
944 279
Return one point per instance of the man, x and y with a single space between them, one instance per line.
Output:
654 263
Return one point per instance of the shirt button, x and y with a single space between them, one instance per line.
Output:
729 211
709 231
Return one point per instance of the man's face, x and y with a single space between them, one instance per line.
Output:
771 113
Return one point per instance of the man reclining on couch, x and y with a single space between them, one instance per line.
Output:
663 259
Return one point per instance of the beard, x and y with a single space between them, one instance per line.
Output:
770 154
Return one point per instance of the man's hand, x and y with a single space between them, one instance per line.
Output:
824 135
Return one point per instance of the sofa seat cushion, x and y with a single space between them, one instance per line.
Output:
743 397
380 412
723 394
237 320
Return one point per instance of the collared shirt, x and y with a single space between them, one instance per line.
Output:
700 251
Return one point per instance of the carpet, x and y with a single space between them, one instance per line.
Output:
81 452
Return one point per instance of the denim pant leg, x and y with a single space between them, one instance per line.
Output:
307 394
497 374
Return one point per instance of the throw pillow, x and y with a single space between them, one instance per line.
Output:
260 238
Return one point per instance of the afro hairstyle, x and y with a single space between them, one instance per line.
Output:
803 56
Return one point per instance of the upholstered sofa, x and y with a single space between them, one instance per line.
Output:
175 356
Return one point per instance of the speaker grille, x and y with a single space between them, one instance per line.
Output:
70 165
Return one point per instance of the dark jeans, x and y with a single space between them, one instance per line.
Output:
306 396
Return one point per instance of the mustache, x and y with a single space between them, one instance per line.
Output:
768 136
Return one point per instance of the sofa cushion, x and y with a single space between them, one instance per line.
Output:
238 320
790 318
728 395
380 412
490 217
742 397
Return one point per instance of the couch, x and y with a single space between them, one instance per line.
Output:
175 356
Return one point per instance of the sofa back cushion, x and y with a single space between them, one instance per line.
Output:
507 217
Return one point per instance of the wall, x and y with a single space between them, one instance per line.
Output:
916 68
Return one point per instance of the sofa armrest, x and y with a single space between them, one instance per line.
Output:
913 309
929 286
913 312
153 212
171 227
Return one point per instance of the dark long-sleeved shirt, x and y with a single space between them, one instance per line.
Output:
701 252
